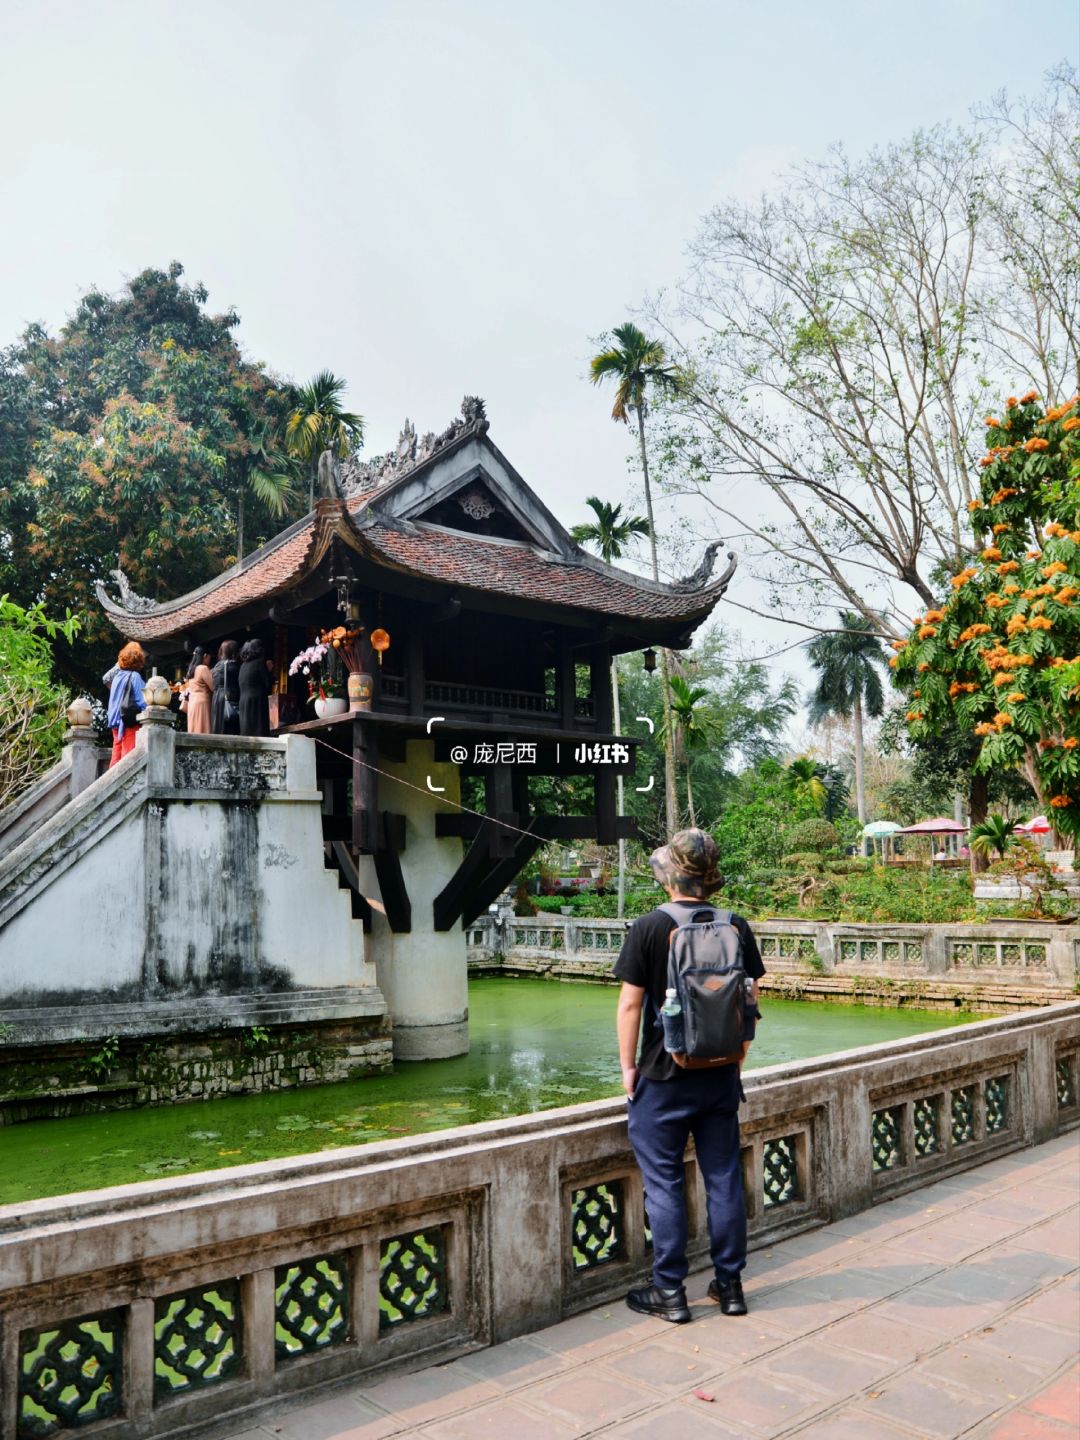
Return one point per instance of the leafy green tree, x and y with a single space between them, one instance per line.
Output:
31 703
996 656
317 422
848 662
941 768
696 728
751 712
639 366
610 534
757 815
131 437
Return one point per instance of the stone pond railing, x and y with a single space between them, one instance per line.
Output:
151 1309
1023 955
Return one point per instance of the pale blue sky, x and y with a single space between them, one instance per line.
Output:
434 197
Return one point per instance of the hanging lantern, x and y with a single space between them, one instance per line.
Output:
649 659
380 641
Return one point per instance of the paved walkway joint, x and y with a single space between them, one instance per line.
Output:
953 1311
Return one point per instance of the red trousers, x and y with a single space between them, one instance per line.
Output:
123 747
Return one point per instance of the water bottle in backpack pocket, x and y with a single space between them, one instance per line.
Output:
671 1019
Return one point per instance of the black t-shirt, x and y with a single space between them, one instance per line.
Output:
643 961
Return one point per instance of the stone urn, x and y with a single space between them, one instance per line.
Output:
361 689
332 705
157 691
80 713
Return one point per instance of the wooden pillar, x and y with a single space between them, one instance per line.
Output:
600 684
604 792
365 813
565 683
499 797
414 669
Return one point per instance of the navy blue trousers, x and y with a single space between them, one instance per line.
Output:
662 1115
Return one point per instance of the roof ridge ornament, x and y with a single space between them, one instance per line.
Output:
130 600
329 476
699 577
358 476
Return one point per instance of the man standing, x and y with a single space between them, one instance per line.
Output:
668 1104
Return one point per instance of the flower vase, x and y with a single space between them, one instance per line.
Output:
332 705
361 688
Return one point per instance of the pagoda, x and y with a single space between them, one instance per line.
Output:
495 632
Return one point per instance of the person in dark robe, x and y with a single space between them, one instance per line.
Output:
225 707
254 690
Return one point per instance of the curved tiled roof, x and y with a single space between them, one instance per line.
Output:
470 561
453 558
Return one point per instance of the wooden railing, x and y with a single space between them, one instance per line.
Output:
484 699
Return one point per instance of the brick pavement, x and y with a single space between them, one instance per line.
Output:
951 1311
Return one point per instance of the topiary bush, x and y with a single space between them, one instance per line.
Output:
803 860
813 835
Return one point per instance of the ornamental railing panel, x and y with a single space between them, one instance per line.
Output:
343 1263
998 954
413 1280
879 951
311 1305
70 1374
198 1338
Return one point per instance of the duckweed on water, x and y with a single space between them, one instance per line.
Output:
535 1045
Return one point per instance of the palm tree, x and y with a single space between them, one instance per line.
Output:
270 475
694 727
319 423
611 534
847 662
638 365
995 833
805 783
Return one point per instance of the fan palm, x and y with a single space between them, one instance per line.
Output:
610 534
694 727
993 834
639 365
848 664
318 423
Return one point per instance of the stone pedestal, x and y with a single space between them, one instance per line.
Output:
423 973
81 744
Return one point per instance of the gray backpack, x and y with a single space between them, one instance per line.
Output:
707 971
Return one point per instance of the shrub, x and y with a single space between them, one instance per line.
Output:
31 704
803 860
815 835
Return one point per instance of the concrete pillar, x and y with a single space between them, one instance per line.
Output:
81 744
422 974
936 950
158 738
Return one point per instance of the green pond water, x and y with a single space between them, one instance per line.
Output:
535 1044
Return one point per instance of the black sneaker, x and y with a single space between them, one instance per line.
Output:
664 1304
728 1295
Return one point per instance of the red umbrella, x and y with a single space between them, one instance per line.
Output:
1038 826
940 826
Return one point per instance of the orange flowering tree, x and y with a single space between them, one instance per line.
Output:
1000 656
